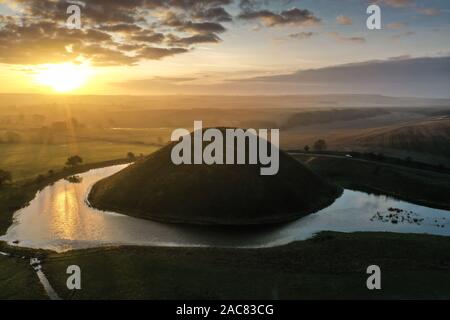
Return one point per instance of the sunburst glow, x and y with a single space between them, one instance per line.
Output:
64 77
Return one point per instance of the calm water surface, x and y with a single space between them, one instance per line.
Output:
60 219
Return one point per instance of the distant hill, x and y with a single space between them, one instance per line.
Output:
328 116
426 137
155 188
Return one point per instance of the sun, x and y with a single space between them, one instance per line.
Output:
64 77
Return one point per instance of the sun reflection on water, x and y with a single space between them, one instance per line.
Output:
65 211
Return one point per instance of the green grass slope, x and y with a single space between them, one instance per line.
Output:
18 280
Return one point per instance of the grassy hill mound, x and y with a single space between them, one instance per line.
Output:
154 188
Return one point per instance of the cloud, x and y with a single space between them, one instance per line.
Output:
341 38
217 14
113 32
403 35
410 4
174 79
146 83
344 20
396 25
103 56
295 17
146 36
302 35
202 27
121 27
429 11
397 3
155 53
199 38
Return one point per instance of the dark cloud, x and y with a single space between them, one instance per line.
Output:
155 53
147 36
251 5
203 27
218 14
295 16
199 38
183 25
121 27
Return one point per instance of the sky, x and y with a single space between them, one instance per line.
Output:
207 46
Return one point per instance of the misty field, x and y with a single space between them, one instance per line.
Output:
25 160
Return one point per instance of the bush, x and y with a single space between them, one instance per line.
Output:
5 176
39 179
74 161
320 145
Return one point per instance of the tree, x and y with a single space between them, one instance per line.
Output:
74 161
131 156
306 148
4 177
320 145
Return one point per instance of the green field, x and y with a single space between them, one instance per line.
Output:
29 160
330 266
18 280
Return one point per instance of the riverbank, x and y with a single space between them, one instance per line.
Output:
331 265
416 186
16 196
422 187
